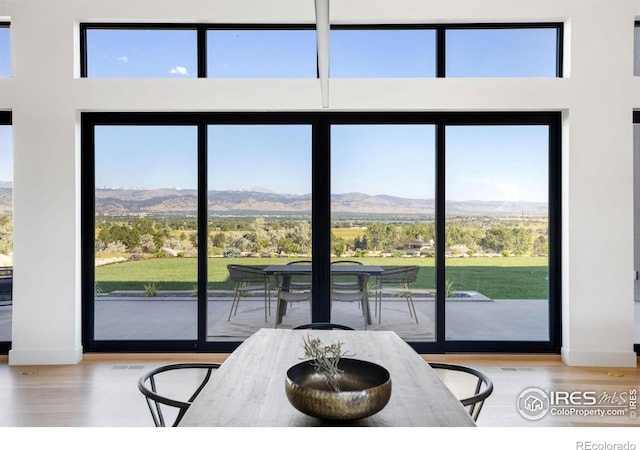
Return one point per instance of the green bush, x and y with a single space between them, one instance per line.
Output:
150 290
231 252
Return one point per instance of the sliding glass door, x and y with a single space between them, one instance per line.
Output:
146 231
636 227
6 231
382 214
446 226
259 214
497 233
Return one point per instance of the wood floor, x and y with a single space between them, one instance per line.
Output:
102 390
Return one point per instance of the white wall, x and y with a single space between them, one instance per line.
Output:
597 99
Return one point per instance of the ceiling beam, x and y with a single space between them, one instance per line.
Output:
322 36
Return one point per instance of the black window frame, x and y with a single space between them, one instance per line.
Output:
636 121
439 28
636 53
441 36
201 41
559 27
321 216
5 119
7 25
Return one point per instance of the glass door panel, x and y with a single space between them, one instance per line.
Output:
259 214
146 232
382 214
6 233
497 217
636 232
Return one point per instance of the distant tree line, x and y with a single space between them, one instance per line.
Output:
237 236
6 234
504 240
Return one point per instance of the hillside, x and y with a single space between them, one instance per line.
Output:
183 202
131 202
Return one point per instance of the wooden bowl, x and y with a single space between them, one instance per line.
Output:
365 388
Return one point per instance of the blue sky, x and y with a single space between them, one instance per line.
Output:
386 53
500 163
272 157
396 160
146 156
291 53
5 57
142 53
500 53
252 53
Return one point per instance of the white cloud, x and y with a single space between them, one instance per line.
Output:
179 70
123 59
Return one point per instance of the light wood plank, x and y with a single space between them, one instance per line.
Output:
101 390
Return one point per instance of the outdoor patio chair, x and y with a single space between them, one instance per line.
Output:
292 287
351 287
300 284
339 283
148 384
396 281
249 279
471 386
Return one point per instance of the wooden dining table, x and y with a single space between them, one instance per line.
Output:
248 390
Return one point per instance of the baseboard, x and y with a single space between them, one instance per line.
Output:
45 356
169 357
599 359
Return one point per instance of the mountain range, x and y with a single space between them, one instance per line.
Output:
126 202
183 202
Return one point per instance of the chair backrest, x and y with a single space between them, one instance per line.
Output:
404 275
291 279
352 280
302 261
240 273
483 386
323 326
349 286
353 263
148 385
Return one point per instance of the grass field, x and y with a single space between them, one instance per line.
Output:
348 234
496 278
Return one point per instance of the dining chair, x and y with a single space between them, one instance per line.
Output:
148 384
470 386
323 326
345 262
396 281
300 284
249 279
351 287
292 287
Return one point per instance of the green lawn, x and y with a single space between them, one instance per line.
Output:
497 278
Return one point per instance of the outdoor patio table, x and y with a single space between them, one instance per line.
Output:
335 269
249 388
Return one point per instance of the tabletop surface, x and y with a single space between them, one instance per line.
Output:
249 388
